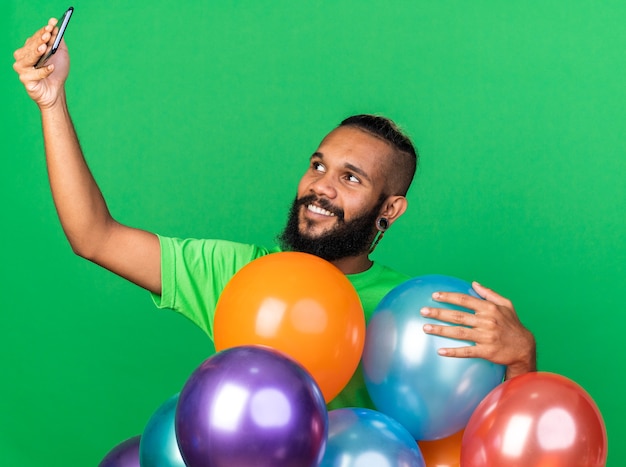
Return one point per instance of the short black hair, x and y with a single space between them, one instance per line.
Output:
405 156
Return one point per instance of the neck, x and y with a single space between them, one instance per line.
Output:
353 264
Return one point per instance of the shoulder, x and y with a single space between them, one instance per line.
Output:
211 248
388 274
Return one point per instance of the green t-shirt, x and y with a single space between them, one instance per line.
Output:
194 273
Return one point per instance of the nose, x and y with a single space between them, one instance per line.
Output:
323 186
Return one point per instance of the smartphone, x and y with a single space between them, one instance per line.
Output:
56 39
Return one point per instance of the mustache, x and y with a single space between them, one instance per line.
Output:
321 202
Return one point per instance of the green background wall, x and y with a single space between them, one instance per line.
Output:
197 119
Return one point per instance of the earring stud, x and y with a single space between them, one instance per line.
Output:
382 224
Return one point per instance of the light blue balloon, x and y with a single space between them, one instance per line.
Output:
158 446
364 437
430 395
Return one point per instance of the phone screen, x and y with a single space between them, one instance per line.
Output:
56 38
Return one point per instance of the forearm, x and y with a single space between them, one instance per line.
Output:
132 253
79 203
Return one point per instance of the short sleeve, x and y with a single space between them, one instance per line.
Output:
195 271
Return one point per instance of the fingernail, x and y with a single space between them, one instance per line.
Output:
428 327
443 352
425 311
436 295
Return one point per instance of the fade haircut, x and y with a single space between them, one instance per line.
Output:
404 156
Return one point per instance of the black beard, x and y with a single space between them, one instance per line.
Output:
346 239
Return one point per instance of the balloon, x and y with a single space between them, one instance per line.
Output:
125 454
158 446
536 419
364 437
251 406
431 395
445 452
301 305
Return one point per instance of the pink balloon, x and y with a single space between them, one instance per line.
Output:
536 419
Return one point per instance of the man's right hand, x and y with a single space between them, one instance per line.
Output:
44 85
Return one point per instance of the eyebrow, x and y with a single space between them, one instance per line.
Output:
347 165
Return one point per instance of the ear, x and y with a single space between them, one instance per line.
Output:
393 208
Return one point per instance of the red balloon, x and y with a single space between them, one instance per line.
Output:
298 304
537 419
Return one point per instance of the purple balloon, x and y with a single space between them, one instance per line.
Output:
251 406
125 454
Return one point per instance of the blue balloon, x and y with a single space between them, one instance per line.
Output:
364 437
431 395
125 454
251 406
158 446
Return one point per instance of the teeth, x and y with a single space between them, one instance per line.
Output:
318 210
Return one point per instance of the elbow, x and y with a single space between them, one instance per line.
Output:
87 245
83 249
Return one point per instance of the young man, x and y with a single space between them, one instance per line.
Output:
352 192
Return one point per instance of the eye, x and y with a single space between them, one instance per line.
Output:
318 167
352 178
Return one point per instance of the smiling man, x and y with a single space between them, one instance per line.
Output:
352 192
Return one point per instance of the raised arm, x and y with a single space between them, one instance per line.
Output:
91 230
